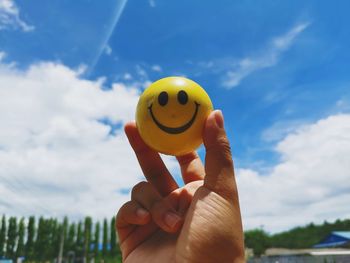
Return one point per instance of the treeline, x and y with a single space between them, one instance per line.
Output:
47 239
296 238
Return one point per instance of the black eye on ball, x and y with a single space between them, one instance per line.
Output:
163 98
182 97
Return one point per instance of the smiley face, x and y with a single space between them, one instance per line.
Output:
182 98
171 113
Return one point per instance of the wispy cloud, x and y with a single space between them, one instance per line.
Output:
10 18
156 68
266 58
152 3
108 50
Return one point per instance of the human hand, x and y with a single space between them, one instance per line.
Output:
199 222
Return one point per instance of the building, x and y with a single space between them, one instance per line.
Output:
335 239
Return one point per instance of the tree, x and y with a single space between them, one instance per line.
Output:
12 238
258 240
105 238
3 236
87 237
97 239
20 251
71 238
42 243
80 241
114 248
62 239
30 238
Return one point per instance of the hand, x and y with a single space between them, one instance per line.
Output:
199 222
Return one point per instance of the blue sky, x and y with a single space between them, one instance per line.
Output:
274 68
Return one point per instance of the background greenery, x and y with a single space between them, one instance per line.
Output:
39 240
48 239
296 238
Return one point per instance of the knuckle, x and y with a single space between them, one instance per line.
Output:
158 207
222 149
138 188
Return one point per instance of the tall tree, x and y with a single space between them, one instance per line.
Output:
105 238
114 248
80 241
12 238
30 238
63 239
40 245
20 251
258 240
87 237
70 247
97 239
3 236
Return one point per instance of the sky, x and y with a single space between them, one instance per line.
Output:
71 73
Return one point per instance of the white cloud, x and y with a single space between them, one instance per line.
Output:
2 56
127 76
156 68
310 183
267 57
141 72
108 50
56 158
10 18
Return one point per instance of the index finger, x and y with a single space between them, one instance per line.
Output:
151 164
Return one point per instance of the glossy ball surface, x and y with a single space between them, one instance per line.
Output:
171 113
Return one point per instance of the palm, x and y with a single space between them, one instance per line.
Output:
152 236
165 223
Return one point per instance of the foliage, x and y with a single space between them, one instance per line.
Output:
309 235
87 237
2 236
50 239
97 238
20 245
30 239
11 238
114 249
258 240
296 238
105 238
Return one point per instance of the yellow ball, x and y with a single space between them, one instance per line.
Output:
171 113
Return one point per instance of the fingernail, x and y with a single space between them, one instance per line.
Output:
171 219
219 118
142 213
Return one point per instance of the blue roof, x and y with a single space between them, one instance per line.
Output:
345 234
335 239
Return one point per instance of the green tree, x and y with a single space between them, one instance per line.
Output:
63 242
55 230
70 244
79 241
87 237
114 248
42 243
105 239
20 251
12 238
30 238
97 239
258 240
3 236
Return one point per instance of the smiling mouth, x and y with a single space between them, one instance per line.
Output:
175 130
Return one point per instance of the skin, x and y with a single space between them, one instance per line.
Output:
199 222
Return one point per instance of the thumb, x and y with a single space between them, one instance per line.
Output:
218 159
